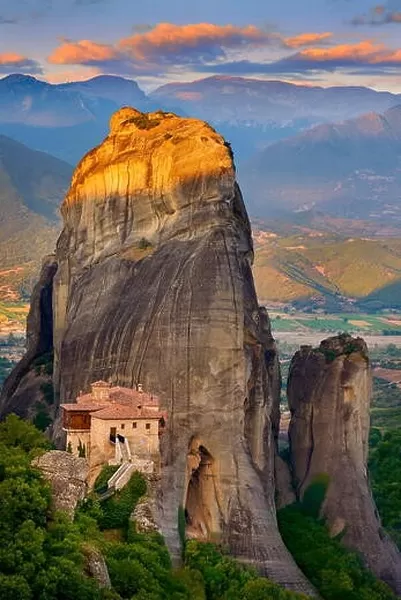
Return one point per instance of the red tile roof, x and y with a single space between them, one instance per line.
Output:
121 403
122 411
88 407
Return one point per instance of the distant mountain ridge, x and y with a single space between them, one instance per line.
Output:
250 113
254 113
29 101
67 119
350 169
264 101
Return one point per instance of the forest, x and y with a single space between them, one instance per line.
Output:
43 554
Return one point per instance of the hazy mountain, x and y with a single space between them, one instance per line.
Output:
118 90
253 113
68 119
351 169
28 101
260 101
32 185
65 120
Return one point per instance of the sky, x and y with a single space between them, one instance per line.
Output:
308 42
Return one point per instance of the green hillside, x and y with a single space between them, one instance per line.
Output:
328 265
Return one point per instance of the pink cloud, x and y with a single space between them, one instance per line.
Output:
11 61
83 52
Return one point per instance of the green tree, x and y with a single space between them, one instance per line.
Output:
384 470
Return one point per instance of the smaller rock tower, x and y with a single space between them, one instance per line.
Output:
329 394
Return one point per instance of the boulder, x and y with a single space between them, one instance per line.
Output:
67 475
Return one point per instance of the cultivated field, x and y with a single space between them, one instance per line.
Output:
309 329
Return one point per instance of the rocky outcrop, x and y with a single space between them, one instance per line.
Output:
329 393
95 566
67 475
22 392
154 285
146 509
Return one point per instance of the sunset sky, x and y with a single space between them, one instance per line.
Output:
325 42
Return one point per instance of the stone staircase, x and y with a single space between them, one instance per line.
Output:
123 474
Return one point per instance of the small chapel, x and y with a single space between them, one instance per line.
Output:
112 425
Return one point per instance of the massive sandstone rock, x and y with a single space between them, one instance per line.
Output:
154 285
329 393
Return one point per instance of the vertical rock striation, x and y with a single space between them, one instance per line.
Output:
154 285
329 393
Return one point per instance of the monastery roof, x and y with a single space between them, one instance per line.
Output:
122 411
121 395
88 407
120 403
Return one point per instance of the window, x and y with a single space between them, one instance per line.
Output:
147 425
122 425
134 425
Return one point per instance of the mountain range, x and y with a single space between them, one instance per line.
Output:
65 120
238 99
254 113
70 118
32 185
350 169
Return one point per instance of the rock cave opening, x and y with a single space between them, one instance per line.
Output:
201 507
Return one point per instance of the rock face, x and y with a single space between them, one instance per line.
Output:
329 393
154 285
22 390
67 475
285 493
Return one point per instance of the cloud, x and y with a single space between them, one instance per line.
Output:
8 20
378 15
208 48
84 52
164 46
167 41
11 62
306 39
365 52
361 56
